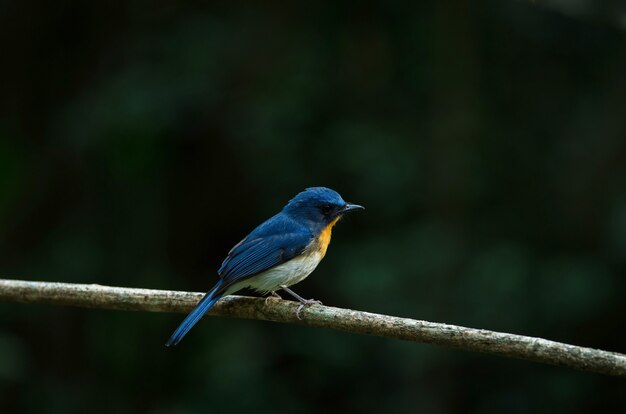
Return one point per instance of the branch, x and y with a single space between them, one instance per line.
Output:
479 340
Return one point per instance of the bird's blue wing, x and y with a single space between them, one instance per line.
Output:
271 244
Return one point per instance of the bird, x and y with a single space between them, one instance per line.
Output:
277 254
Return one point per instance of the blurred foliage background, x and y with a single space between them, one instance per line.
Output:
139 141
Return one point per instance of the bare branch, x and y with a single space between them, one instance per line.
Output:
479 340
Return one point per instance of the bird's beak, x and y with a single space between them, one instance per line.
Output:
351 207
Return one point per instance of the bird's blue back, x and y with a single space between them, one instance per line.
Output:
275 241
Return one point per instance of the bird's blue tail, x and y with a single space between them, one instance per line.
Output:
195 315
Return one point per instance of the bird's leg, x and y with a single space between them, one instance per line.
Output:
273 295
303 302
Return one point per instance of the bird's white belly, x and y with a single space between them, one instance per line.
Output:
286 274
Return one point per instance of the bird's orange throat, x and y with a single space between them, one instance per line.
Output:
323 240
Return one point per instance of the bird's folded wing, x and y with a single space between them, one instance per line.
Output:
255 255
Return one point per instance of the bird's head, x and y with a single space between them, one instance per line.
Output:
318 207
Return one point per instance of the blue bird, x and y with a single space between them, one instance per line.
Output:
279 253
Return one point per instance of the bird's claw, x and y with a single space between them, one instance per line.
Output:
273 295
306 303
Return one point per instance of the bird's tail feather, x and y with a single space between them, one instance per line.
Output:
196 314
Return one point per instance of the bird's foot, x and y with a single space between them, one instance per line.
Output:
273 295
303 302
306 302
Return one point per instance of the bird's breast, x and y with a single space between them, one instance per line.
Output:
322 241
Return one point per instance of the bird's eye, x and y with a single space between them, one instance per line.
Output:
327 208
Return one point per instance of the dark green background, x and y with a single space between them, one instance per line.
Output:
139 141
